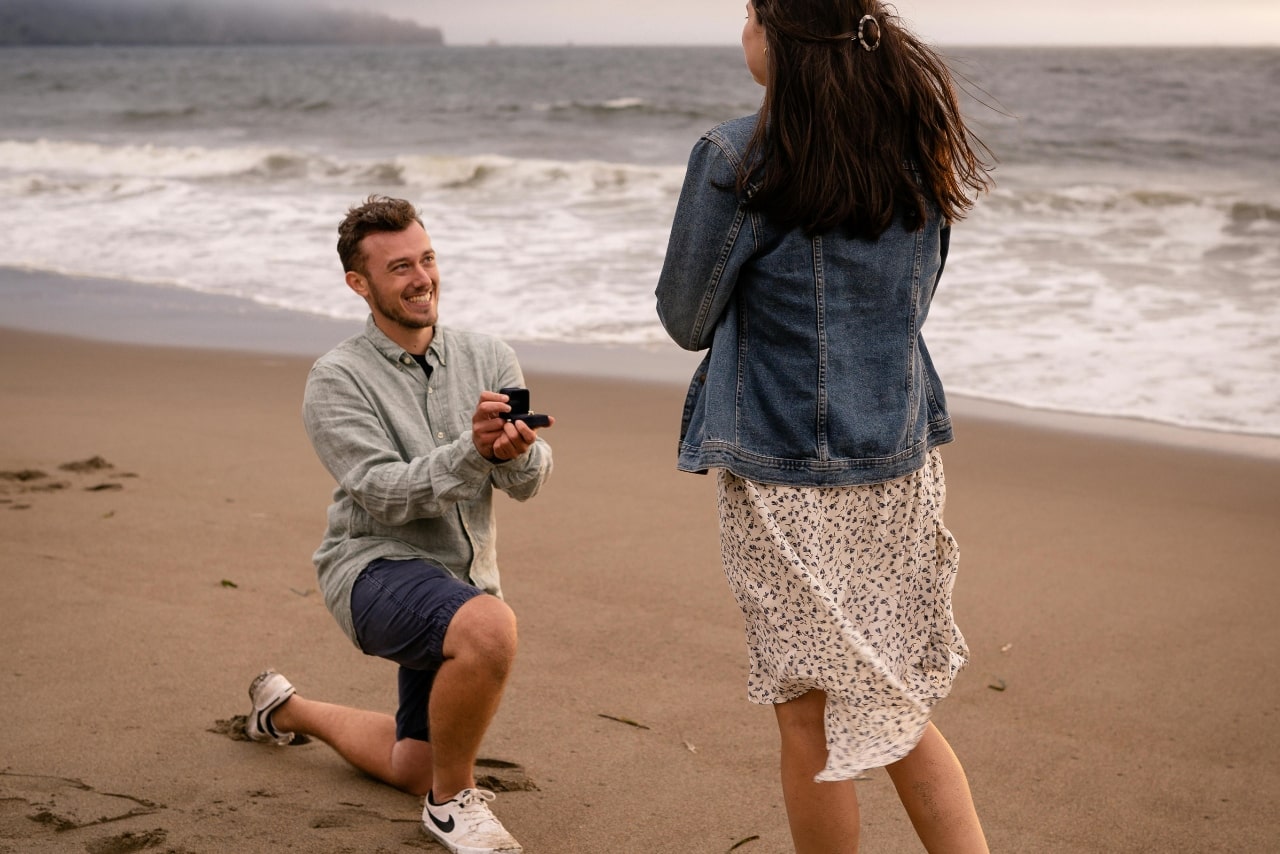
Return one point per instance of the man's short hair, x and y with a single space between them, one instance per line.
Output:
377 214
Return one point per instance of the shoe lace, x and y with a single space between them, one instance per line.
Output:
474 807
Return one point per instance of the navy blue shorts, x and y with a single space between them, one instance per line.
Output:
401 610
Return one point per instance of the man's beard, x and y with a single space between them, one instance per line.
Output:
396 312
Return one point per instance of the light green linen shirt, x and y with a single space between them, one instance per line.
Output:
410 480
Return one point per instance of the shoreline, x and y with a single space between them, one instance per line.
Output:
114 310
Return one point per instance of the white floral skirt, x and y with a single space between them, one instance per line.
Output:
847 590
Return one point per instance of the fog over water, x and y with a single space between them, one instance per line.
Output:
718 22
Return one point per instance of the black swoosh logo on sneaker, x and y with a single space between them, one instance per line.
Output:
445 826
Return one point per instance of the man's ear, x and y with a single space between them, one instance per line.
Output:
357 283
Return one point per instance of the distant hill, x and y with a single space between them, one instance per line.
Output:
190 22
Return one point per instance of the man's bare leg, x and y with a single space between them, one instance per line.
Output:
365 739
479 648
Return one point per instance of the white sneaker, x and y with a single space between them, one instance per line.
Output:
465 825
268 693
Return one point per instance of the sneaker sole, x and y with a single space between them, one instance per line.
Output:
463 849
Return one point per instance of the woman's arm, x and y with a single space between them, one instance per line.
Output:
701 266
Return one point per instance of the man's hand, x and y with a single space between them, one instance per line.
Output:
494 438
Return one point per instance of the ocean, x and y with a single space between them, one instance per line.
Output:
1127 263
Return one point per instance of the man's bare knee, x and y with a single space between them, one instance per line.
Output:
484 628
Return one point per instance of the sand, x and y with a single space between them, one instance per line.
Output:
1119 598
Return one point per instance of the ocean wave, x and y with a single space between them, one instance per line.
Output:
629 104
159 114
95 189
182 116
70 159
383 173
1246 214
625 104
1236 206
68 165
612 105
514 174
298 104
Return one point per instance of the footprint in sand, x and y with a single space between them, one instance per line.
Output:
124 843
39 808
233 728
25 481
498 775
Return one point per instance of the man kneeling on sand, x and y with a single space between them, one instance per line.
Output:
408 420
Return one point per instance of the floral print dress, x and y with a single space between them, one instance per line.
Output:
847 590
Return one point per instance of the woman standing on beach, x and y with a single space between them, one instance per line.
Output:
806 248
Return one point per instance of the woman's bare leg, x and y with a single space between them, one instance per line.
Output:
933 788
823 816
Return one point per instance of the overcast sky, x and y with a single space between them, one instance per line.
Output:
1107 22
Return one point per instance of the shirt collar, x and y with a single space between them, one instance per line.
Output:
393 352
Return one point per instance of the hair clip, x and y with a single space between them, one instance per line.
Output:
865 32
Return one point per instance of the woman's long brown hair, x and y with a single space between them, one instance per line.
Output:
841 127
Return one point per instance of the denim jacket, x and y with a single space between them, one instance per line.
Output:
817 373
